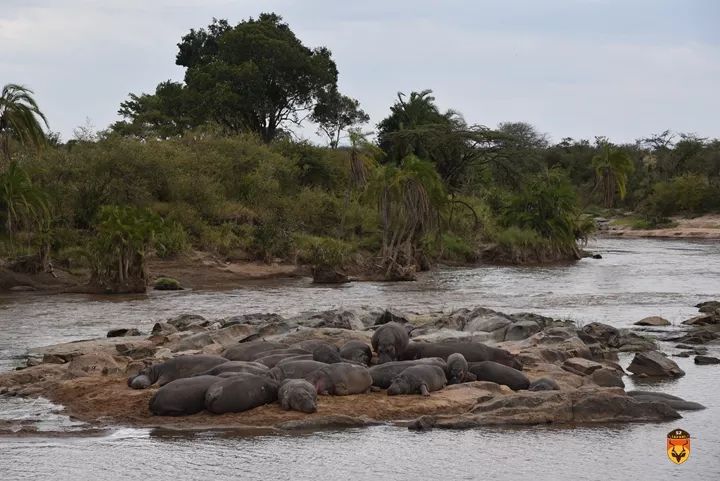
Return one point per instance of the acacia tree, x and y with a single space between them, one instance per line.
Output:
20 119
612 167
334 113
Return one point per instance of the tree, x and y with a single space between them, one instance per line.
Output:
409 197
21 201
256 76
417 127
612 167
335 112
169 112
124 236
20 119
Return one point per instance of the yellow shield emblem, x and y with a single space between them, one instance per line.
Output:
678 446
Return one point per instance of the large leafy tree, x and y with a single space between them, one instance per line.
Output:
416 126
256 76
334 113
612 167
20 119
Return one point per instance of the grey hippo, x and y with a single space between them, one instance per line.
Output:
457 369
292 369
341 379
389 341
472 351
239 367
422 379
172 369
356 351
544 384
297 395
247 351
383 374
239 393
182 396
500 374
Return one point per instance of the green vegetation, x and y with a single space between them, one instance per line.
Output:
208 164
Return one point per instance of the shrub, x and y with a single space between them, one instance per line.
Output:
685 194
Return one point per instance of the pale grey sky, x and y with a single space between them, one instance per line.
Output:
578 68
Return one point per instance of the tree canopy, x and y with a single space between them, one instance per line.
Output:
20 118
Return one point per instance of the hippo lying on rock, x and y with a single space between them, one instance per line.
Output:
457 369
356 351
272 358
389 341
248 351
292 369
472 351
383 374
172 369
239 393
544 384
182 397
421 379
341 379
297 395
500 374
248 367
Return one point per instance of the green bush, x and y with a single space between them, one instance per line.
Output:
322 251
685 194
171 240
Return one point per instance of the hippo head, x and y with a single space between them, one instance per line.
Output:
141 381
504 357
386 353
304 401
399 385
456 375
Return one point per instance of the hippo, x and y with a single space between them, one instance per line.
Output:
472 351
421 379
389 341
341 379
356 351
544 384
500 374
292 369
677 403
182 397
247 351
272 360
297 395
172 369
238 366
457 369
285 350
239 393
327 354
383 374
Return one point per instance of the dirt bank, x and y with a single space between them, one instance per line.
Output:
703 227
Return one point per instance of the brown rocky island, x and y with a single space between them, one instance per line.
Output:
572 374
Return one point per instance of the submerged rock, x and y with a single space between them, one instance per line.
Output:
123 332
654 364
653 321
704 360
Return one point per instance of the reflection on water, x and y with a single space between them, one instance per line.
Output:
636 278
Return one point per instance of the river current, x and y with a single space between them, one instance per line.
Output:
635 279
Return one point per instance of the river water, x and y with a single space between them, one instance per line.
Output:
635 279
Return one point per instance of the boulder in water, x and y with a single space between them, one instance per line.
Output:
653 321
705 360
654 364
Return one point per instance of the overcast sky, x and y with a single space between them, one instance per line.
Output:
573 68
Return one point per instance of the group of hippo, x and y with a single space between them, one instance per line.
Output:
255 373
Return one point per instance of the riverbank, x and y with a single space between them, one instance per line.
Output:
88 378
705 227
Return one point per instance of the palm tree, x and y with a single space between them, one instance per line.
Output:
612 167
409 199
20 118
20 199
